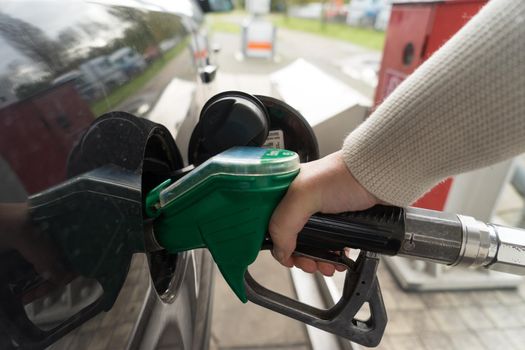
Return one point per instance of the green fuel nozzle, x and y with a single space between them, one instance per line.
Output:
224 205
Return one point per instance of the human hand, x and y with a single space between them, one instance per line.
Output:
325 185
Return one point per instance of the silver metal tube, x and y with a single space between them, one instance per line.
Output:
479 243
510 252
432 236
459 240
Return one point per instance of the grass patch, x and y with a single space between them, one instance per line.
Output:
131 87
365 37
220 22
218 26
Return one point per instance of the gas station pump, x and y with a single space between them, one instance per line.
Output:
258 34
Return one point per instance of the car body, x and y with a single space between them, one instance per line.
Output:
66 63
88 90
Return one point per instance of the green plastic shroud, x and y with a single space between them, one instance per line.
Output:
224 205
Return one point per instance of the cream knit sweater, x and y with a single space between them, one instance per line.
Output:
463 109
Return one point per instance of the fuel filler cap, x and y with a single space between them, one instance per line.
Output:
229 119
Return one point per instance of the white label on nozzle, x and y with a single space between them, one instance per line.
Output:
275 139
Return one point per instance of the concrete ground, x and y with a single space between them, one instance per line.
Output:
249 326
351 64
455 320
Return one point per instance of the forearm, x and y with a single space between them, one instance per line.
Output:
462 109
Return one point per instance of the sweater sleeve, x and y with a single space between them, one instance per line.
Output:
463 109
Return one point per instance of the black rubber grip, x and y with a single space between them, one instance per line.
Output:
380 229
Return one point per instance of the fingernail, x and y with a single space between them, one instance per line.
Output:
279 255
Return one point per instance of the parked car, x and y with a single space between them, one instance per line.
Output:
55 55
383 17
372 13
128 60
308 11
331 11
216 5
104 71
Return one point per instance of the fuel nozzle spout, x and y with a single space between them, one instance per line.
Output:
422 234
460 240
432 236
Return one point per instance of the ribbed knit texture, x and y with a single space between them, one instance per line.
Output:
463 109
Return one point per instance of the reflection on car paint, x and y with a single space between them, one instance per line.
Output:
63 65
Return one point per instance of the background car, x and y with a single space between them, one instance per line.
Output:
128 60
64 65
373 13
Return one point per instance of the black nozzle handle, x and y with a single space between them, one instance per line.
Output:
380 229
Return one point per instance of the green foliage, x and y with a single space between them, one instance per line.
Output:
32 42
28 90
279 5
365 37
145 29
219 25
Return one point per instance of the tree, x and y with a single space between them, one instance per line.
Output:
68 37
32 42
28 90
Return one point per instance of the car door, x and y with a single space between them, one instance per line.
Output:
57 86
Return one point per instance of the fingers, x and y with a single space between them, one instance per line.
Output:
45 260
305 264
340 268
286 262
38 250
325 185
287 221
326 268
311 266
